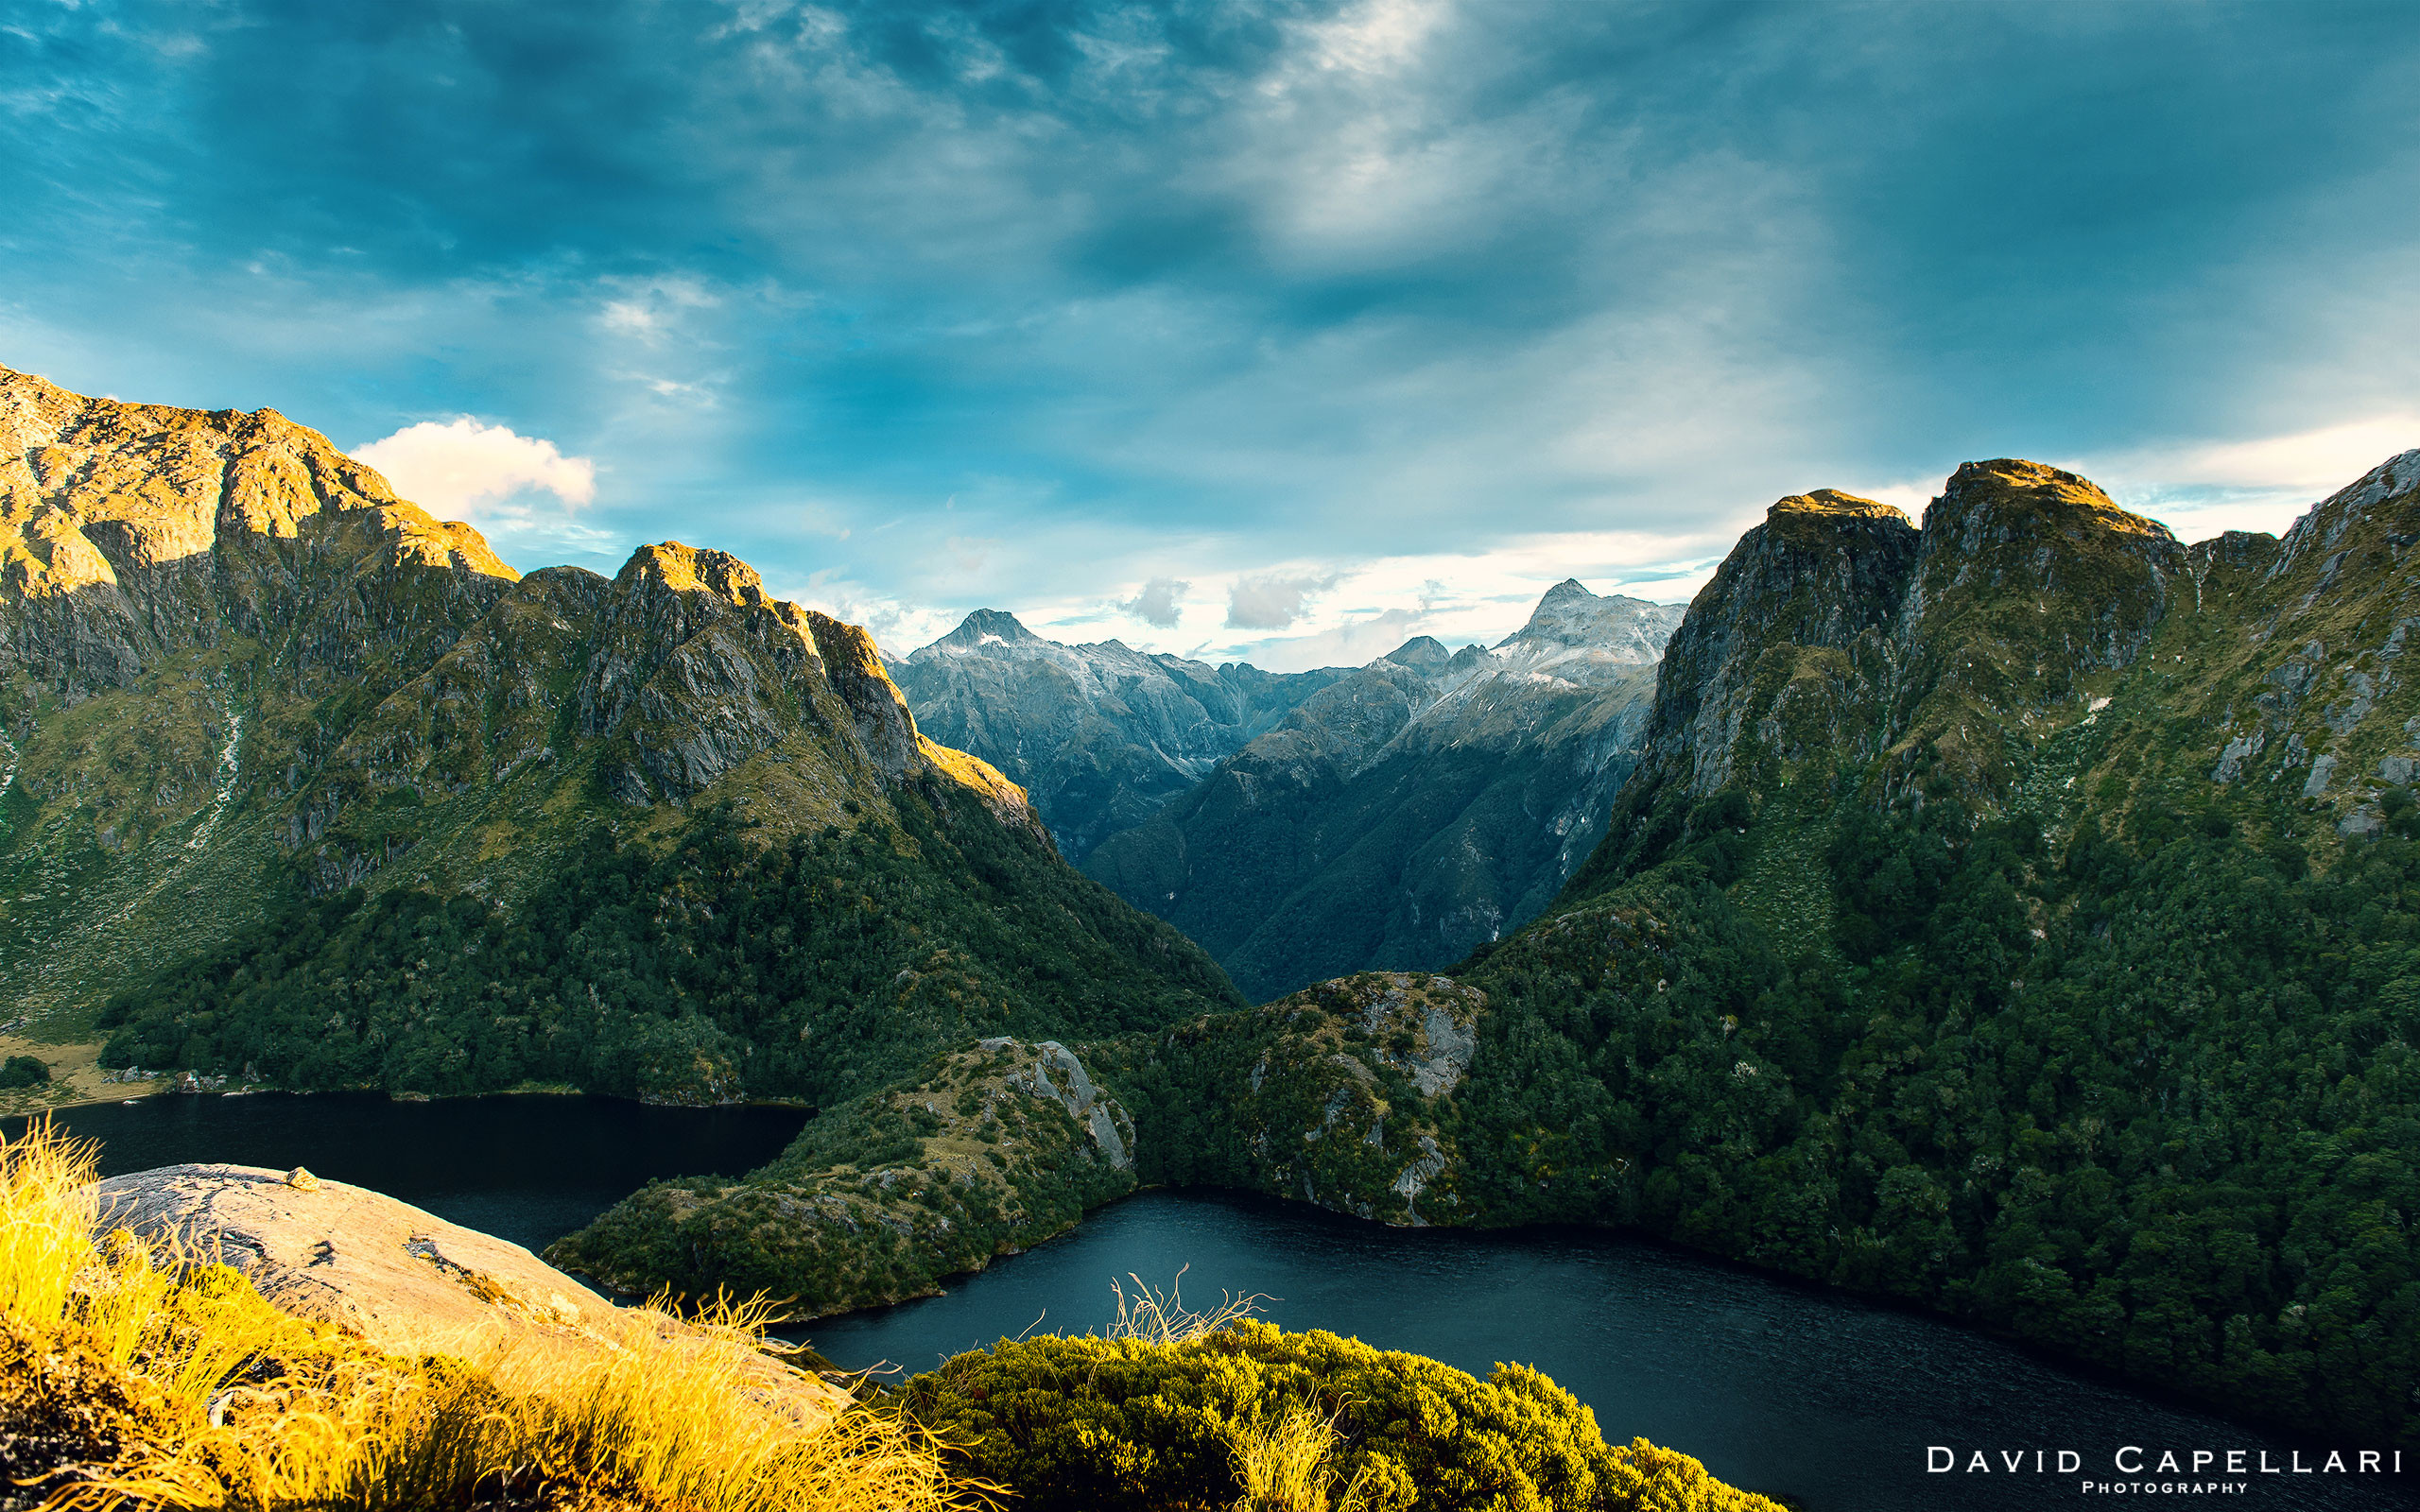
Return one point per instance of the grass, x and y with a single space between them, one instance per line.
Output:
1286 1463
131 1374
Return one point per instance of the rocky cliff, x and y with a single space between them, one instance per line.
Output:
278 740
1425 804
2015 916
1100 735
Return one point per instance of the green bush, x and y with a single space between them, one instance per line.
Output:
1107 1424
23 1071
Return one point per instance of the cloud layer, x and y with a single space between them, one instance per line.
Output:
925 307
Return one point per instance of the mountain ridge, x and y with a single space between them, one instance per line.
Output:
1413 810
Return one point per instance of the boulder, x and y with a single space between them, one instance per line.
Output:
397 1278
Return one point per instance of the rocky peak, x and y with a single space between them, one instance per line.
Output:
2031 591
1824 573
2324 526
981 628
675 568
1422 652
1829 504
1836 630
1628 630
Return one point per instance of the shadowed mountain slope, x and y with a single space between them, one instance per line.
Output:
2019 916
1099 735
1417 808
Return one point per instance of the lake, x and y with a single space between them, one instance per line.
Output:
1782 1387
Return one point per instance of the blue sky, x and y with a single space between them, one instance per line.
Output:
1279 331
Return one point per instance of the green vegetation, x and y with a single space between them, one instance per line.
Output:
712 968
24 1070
1378 828
1248 1416
2175 1136
879 1199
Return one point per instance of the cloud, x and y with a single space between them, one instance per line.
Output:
466 469
2323 460
1272 601
1161 603
2199 488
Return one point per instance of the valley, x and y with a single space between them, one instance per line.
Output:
2012 915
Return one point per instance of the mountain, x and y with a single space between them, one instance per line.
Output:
2017 916
1099 735
308 787
1417 808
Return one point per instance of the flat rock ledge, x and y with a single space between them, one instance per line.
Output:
399 1278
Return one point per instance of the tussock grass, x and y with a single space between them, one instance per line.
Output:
131 1373
1286 1462
1154 1316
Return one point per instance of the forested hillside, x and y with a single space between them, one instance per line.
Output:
2021 918
309 786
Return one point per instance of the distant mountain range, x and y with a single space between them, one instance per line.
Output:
1419 806
1302 825
1098 735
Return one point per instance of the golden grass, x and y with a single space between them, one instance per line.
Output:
1154 1316
234 1404
1285 1463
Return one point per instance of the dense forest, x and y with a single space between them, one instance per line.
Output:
711 969
2149 1101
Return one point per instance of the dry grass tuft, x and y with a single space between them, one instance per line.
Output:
1286 1463
142 1375
1154 1316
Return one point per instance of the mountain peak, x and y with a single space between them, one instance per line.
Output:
1419 651
988 625
1833 502
1565 592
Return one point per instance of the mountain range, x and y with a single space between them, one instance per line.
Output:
1418 807
1098 735
2017 914
349 801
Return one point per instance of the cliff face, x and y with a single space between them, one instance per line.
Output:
1099 734
2015 917
1425 804
238 673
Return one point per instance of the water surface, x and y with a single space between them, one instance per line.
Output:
529 1169
1789 1389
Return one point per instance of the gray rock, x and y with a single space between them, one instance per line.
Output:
1099 734
397 1277
2323 770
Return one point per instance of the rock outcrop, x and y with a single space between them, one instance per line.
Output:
1002 1145
1341 1095
398 1278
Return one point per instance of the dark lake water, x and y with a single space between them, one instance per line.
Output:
1787 1389
528 1169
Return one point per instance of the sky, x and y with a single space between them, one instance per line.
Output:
1272 332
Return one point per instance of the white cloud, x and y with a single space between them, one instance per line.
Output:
2200 489
1161 603
1271 601
488 475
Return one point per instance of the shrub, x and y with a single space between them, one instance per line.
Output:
23 1071
1251 1415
